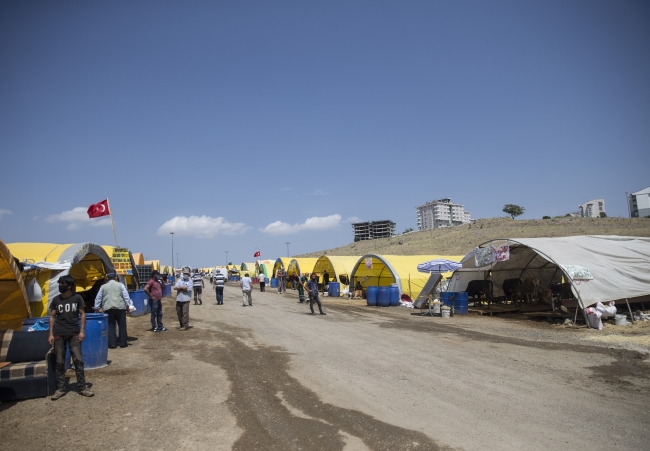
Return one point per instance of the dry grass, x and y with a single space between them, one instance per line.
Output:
460 240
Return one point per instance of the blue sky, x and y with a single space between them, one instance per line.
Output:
245 125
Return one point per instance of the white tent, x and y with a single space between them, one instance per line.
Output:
619 265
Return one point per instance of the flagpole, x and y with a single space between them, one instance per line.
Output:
110 212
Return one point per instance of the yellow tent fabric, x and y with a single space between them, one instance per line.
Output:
86 262
14 305
247 267
266 266
138 258
399 269
337 267
301 266
281 262
155 264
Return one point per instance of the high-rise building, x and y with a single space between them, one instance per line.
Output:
592 209
372 230
640 203
441 213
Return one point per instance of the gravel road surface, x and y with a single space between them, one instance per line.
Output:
273 376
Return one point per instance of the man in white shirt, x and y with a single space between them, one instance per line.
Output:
246 284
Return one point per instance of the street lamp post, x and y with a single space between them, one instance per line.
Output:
178 262
173 272
629 209
288 243
226 257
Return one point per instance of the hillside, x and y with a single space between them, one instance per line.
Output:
461 239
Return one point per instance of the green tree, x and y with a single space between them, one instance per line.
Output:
410 229
546 217
603 214
513 210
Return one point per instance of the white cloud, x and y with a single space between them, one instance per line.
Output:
201 226
318 192
77 218
315 223
4 211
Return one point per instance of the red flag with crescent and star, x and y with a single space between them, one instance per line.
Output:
99 209
257 254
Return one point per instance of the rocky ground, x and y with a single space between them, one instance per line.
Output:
273 376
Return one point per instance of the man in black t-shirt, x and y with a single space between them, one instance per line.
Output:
65 330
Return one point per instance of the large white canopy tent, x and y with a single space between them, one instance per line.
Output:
620 265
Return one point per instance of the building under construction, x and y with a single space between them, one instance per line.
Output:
372 230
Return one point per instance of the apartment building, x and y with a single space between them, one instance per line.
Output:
373 230
441 213
640 203
592 209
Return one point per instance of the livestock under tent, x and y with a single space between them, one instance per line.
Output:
14 304
87 263
384 270
600 268
265 266
281 262
298 266
338 267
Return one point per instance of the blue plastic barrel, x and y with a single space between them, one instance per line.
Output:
371 295
394 295
460 303
95 347
447 298
167 291
140 302
383 297
274 282
170 279
29 322
334 289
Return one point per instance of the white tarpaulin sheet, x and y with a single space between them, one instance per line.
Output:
619 265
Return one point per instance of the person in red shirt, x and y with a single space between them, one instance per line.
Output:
154 289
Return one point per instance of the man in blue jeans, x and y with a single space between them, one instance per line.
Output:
154 289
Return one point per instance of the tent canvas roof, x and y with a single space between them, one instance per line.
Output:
14 305
336 266
620 265
301 265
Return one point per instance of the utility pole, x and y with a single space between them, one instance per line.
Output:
629 210
288 243
178 262
226 257
173 272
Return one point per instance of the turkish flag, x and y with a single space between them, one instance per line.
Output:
99 209
257 254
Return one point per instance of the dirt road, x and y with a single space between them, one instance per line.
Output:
273 376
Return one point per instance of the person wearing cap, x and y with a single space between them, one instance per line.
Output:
183 289
113 299
154 289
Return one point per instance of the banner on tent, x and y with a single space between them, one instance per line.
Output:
122 261
502 253
577 272
369 263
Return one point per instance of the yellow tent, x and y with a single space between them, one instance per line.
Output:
138 258
383 270
155 264
301 266
87 263
247 267
14 305
266 266
281 262
338 267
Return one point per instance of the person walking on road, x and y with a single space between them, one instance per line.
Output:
219 282
312 289
154 289
68 330
301 288
183 289
246 284
281 278
114 300
262 278
198 286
